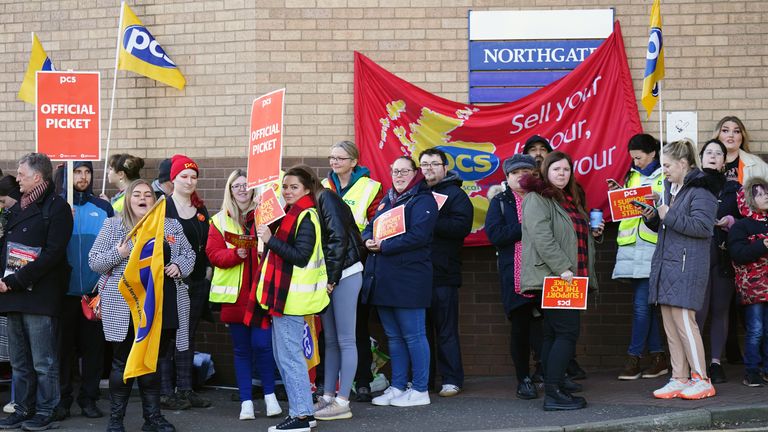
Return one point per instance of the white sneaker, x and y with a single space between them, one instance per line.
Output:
699 389
672 390
9 408
449 390
273 408
389 394
246 410
411 398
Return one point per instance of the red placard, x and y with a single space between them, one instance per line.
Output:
265 142
622 208
389 224
269 209
67 115
243 241
440 199
559 294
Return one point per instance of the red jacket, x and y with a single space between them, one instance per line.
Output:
222 257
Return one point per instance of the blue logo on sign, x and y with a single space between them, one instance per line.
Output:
140 43
471 165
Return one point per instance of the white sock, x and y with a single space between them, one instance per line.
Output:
327 398
341 401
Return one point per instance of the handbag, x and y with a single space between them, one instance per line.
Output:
90 303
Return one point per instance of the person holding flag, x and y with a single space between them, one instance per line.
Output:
144 280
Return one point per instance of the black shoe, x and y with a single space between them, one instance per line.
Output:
115 425
174 403
40 422
527 389
13 421
157 423
195 400
292 424
90 410
363 394
716 373
557 400
570 386
538 374
61 413
574 371
752 379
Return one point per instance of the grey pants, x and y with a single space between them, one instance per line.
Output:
339 321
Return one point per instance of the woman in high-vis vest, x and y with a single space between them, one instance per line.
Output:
633 261
122 170
233 270
293 283
362 194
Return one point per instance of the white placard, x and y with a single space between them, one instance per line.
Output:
682 124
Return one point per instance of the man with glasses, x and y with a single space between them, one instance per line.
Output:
454 222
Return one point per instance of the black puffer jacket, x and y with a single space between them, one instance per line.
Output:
454 222
342 244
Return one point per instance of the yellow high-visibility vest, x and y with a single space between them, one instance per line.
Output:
359 197
225 284
307 294
630 229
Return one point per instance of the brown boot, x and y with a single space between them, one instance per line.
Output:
659 366
631 369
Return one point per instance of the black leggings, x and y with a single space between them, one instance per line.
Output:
525 334
561 331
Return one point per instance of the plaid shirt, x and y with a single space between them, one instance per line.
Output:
581 226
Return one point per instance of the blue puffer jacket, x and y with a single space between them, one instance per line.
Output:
401 274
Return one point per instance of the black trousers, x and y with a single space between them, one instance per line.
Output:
363 376
525 335
79 338
149 383
443 336
561 331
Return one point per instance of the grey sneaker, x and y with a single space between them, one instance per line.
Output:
334 411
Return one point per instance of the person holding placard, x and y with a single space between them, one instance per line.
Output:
233 270
293 283
557 242
398 281
680 267
637 242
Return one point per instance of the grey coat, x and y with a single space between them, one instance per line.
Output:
680 265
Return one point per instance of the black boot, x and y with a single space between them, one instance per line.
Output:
571 386
150 407
118 403
556 399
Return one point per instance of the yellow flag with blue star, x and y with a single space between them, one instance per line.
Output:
138 51
142 288
38 60
654 60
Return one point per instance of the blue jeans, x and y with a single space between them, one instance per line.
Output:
407 340
756 320
645 322
251 343
287 338
32 345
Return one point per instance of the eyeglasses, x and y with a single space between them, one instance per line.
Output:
401 172
241 186
337 159
713 153
432 164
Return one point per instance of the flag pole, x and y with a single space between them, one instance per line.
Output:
112 103
661 138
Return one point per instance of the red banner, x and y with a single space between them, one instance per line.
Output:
590 114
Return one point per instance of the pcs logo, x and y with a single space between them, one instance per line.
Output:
140 43
472 164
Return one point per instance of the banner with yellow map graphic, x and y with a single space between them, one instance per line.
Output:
590 114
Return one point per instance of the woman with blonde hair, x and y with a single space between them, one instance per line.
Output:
740 163
233 270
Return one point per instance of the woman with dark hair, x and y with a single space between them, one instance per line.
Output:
122 169
398 281
109 256
234 269
720 288
633 261
188 209
557 242
680 267
292 284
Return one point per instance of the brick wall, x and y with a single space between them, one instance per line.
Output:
233 50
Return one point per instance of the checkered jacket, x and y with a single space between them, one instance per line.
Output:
105 259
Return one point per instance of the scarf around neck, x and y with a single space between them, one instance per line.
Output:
32 196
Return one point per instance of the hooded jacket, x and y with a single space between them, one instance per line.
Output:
454 222
680 265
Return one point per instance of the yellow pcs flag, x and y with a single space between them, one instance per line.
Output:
142 288
138 51
654 60
38 60
309 342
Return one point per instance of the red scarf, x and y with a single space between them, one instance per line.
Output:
277 272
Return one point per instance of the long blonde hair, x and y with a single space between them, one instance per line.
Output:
744 134
129 218
229 204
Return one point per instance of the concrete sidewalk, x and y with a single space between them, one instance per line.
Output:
489 404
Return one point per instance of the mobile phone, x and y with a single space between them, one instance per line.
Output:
641 205
613 183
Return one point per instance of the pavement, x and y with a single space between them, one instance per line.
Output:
489 404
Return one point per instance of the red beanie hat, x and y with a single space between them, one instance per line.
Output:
179 163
